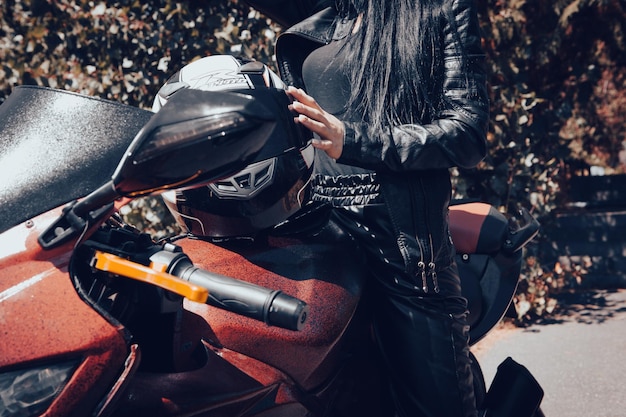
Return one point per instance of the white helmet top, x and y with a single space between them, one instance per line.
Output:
218 73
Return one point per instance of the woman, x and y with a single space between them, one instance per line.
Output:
396 95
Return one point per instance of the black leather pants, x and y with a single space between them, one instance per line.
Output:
422 337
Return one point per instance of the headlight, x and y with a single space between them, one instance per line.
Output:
29 392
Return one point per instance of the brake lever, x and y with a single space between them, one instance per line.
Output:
154 275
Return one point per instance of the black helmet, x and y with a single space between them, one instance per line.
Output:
265 192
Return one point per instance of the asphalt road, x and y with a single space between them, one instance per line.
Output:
579 357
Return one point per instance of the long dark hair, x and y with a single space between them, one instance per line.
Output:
396 60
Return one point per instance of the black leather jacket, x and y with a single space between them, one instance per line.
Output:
411 161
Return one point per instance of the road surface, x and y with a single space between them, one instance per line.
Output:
578 357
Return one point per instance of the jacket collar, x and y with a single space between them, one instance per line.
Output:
323 26
294 45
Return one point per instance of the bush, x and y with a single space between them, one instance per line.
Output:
558 101
123 50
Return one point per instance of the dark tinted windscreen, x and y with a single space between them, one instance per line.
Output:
57 146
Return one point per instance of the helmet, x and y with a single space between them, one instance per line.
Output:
268 190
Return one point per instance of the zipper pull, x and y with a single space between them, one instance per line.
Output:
422 267
433 274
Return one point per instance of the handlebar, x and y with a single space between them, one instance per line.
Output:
272 307
168 267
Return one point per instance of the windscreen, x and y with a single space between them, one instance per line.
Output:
57 146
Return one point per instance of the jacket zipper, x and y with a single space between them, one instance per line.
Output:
421 266
429 269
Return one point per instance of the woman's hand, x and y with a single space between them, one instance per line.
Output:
330 129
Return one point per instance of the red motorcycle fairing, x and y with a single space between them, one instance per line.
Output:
249 368
228 384
302 270
44 322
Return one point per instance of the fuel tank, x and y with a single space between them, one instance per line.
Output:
327 276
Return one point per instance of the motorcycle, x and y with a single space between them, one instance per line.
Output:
98 318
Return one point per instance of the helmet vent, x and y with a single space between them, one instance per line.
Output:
262 176
246 183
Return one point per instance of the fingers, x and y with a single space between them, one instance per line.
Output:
312 116
305 104
299 95
308 112
332 149
326 126
324 145
312 124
